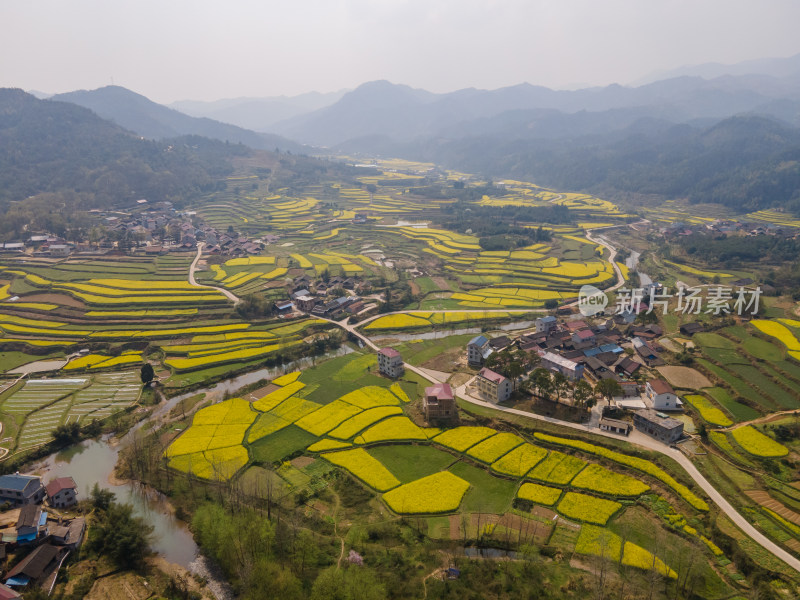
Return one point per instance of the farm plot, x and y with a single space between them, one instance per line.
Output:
37 393
710 413
110 392
38 427
756 443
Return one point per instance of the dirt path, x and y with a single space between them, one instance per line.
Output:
776 416
192 281
336 529
428 576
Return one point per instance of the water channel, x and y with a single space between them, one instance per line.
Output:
437 335
92 462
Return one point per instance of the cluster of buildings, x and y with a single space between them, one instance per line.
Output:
26 527
154 230
332 299
610 349
728 227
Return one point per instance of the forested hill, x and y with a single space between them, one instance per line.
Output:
155 121
744 162
61 148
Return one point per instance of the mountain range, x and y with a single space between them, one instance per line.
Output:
155 121
739 122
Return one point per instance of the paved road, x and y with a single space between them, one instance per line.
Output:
192 281
636 438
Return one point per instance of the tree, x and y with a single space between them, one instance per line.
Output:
117 534
542 382
583 391
147 373
559 384
608 388
67 433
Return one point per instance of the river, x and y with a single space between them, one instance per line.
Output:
436 335
632 262
92 462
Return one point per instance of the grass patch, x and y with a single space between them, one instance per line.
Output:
488 494
410 461
741 412
279 445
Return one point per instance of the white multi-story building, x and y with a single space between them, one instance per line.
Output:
390 363
493 386
545 324
661 394
478 350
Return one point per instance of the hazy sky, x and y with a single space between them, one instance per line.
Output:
203 49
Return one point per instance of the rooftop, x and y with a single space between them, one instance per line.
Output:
390 352
59 484
16 482
441 391
660 387
478 340
491 375
654 417
559 360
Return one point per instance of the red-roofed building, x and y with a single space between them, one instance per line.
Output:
493 386
439 403
390 363
575 325
662 395
62 492
582 335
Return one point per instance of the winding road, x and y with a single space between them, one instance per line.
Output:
192 281
636 438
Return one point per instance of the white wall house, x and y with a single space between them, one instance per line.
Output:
661 394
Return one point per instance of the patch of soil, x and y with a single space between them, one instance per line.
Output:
767 501
455 526
446 361
62 299
302 461
548 408
459 379
441 283
261 392
415 289
543 513
684 377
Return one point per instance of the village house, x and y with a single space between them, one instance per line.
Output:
34 569
31 523
661 427
500 343
478 350
570 369
390 363
62 492
493 386
68 534
583 336
615 426
19 490
439 404
661 395
690 328
546 324
283 307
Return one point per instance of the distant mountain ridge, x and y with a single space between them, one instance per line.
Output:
60 148
381 108
258 114
155 121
